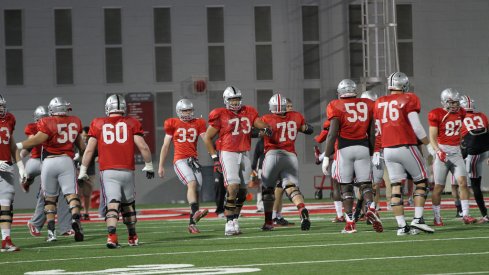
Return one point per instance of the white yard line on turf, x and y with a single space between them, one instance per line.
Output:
407 240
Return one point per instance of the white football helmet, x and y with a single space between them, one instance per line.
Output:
450 99
115 104
40 112
467 103
278 104
232 92
3 107
347 88
398 81
370 95
184 105
58 107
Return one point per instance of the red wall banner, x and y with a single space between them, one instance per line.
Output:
141 107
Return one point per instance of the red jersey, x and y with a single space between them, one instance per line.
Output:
284 130
31 130
392 112
234 128
324 133
7 127
115 141
354 115
62 132
449 125
473 121
185 135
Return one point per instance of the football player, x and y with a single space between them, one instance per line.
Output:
33 169
115 137
59 133
185 131
8 155
400 128
353 127
280 161
476 144
233 124
445 135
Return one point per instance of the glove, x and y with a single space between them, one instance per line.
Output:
148 168
441 155
22 173
76 157
325 165
267 132
431 150
217 165
5 167
376 159
82 175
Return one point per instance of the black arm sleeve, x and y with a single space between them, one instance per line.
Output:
258 155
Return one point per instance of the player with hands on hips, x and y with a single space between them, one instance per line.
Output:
233 124
352 126
59 133
280 161
400 128
445 135
115 136
184 131
8 155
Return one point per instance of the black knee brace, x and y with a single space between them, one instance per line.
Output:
268 194
128 211
421 185
7 213
291 190
241 197
346 191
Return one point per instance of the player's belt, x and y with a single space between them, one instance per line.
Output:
55 156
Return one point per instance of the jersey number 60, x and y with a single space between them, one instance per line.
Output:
111 133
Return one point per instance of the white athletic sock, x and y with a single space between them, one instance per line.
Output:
418 212
436 212
372 205
338 205
274 214
401 222
465 207
5 233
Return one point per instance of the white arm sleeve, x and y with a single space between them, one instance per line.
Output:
416 124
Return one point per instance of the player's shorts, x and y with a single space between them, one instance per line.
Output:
334 165
353 162
398 160
7 190
473 164
117 185
280 164
236 167
33 167
455 164
378 172
186 174
58 171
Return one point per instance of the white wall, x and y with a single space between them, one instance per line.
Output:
450 50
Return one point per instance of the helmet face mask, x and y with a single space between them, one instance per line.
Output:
232 98
3 107
40 112
467 103
398 81
450 100
185 110
115 104
59 107
278 104
347 88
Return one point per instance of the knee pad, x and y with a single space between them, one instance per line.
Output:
73 202
6 214
241 197
268 194
128 211
346 191
421 185
395 197
291 190
112 213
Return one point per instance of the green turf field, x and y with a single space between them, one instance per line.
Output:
167 248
